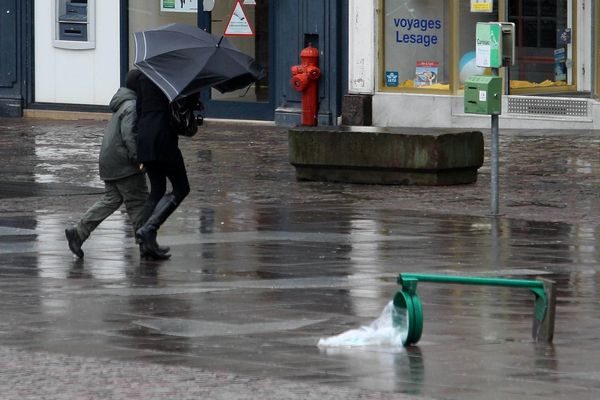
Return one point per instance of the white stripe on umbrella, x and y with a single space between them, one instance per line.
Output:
146 63
145 45
137 53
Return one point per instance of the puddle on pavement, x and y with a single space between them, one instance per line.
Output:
22 189
381 332
128 292
190 328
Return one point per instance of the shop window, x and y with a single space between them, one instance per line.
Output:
429 45
544 45
416 45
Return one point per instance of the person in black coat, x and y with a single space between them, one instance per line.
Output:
158 151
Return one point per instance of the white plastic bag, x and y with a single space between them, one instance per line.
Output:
380 332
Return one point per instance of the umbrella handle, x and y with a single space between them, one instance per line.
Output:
220 40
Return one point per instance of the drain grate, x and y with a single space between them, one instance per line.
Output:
548 106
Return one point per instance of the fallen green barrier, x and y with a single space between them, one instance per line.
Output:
408 310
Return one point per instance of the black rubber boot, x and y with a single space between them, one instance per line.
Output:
161 249
147 233
148 208
74 241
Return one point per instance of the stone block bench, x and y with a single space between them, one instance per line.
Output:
401 156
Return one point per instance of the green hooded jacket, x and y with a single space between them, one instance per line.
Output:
118 155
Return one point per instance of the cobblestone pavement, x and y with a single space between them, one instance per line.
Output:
263 266
51 376
546 176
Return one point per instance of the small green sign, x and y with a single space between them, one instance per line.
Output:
488 45
168 3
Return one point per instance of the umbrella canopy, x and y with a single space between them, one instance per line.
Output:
183 59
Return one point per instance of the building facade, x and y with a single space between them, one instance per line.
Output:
410 58
73 54
407 59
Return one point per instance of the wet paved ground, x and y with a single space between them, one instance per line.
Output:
263 266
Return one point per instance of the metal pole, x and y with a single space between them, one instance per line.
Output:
495 238
494 158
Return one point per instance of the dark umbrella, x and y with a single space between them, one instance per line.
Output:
183 59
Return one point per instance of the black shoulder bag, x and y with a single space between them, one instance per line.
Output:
184 116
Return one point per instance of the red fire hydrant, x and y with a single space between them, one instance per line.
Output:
304 80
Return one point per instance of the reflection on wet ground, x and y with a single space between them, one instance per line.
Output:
264 266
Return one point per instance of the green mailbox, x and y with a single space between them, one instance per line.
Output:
483 95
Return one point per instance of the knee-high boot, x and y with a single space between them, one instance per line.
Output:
147 233
146 213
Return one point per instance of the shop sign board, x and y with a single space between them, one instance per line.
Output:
238 24
560 64
494 44
482 6
488 45
426 73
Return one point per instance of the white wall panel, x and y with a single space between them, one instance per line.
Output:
362 46
77 76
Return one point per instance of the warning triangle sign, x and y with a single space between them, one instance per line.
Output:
238 24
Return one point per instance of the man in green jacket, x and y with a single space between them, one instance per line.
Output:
124 180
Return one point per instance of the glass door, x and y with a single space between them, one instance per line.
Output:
246 24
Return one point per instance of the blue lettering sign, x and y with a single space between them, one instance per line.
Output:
414 31
424 40
418 24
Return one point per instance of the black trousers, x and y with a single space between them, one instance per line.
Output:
174 171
